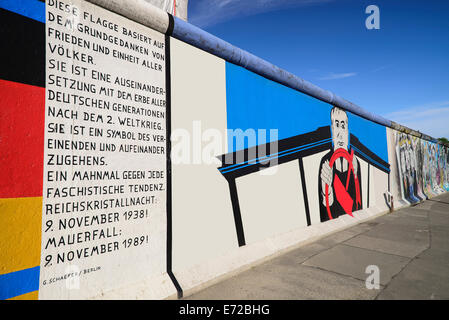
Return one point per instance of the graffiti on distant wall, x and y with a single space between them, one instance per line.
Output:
407 165
445 167
423 167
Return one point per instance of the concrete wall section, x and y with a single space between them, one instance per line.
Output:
83 166
267 192
202 213
299 127
137 166
104 201
394 179
268 209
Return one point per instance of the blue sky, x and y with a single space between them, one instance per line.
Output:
400 71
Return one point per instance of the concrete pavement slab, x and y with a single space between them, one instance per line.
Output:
340 237
353 261
407 233
273 282
388 246
437 219
411 221
301 254
441 206
439 240
387 218
412 211
422 279
436 256
426 205
366 226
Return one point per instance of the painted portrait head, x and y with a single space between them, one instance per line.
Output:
339 128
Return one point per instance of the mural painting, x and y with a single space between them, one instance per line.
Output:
340 177
341 145
423 167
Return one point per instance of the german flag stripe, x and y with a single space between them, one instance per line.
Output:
22 122
23 49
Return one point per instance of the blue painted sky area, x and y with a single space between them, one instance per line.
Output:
372 135
254 102
400 71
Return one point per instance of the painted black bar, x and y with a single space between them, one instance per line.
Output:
243 162
237 215
23 49
171 25
367 194
246 161
169 169
304 191
367 155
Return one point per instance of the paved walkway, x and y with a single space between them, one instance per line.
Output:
410 248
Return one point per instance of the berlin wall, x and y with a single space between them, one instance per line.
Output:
143 158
